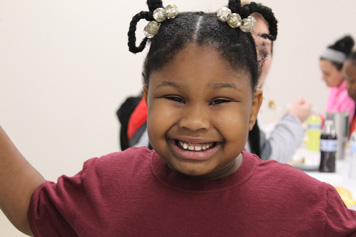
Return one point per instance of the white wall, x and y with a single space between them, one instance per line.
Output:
65 68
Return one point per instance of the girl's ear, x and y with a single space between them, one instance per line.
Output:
145 93
256 104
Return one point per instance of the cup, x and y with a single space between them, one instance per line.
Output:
341 122
313 132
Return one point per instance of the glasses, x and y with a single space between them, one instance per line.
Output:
263 45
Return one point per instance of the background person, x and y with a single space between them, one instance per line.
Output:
349 71
331 63
288 134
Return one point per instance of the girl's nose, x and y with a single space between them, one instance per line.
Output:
195 119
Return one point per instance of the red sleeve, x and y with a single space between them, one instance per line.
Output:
54 207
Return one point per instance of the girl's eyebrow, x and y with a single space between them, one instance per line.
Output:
168 83
216 86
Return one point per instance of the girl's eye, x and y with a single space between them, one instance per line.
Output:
219 101
175 98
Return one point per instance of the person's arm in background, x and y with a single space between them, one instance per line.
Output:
18 180
287 135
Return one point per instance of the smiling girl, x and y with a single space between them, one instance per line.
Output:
200 78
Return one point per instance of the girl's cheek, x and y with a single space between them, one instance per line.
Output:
164 112
230 116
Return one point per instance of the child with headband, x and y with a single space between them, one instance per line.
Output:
331 63
200 77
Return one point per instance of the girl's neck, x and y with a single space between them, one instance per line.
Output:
230 169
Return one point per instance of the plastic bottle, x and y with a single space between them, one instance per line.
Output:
353 155
313 132
328 147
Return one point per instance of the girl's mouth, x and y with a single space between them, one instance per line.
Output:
195 147
194 151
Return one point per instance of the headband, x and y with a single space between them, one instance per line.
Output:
333 55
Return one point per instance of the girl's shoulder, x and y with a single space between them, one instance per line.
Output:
134 157
274 171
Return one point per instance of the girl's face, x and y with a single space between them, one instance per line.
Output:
350 76
199 113
331 76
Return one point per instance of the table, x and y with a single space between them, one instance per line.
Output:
311 164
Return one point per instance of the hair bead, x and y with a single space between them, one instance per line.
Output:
224 14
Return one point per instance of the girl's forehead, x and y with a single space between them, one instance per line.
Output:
326 65
350 67
350 63
195 57
199 66
199 81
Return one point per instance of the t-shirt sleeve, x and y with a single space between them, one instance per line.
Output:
54 207
341 221
83 204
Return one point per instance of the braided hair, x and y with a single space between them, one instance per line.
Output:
237 47
343 45
249 8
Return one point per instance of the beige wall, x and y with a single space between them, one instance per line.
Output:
65 68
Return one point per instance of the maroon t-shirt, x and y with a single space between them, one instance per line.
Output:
133 193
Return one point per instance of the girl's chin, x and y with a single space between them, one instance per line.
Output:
198 170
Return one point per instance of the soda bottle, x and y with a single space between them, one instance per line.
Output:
313 132
353 155
328 147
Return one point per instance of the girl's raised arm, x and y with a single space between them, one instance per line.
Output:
18 180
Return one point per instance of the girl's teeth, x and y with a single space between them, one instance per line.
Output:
191 147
